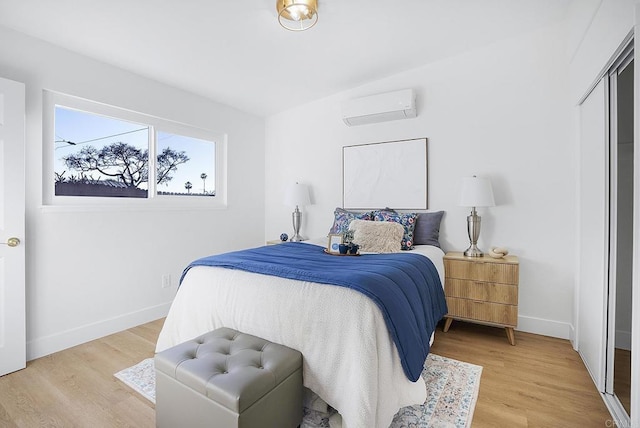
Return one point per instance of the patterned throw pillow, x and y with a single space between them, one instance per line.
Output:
342 218
408 221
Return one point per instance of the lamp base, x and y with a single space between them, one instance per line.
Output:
473 251
473 228
296 218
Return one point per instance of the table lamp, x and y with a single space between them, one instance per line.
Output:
297 195
475 192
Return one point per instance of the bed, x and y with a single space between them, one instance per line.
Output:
350 359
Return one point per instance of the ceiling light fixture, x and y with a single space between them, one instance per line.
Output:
297 15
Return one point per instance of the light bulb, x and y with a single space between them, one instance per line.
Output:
298 11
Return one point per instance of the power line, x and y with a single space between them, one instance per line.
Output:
71 143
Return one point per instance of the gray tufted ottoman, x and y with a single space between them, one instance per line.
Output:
225 379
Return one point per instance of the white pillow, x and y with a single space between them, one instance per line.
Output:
377 236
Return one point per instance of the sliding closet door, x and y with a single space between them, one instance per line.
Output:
621 232
593 233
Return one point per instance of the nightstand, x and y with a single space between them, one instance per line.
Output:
275 242
482 290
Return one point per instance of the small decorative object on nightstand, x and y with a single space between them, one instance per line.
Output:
482 290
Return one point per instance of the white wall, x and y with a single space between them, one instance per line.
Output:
503 112
91 273
610 23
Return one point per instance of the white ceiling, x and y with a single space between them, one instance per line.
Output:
235 52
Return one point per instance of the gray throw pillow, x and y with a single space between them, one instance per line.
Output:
427 230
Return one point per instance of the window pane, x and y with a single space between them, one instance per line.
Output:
186 166
99 156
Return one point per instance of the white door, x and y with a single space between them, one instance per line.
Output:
594 237
12 209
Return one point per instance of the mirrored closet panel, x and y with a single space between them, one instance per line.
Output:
621 256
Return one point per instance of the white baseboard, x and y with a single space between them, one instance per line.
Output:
57 342
623 339
561 330
572 339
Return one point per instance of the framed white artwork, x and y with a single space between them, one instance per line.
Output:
389 174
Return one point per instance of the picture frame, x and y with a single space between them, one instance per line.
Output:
386 174
335 239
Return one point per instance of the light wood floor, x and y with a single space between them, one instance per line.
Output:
540 382
76 387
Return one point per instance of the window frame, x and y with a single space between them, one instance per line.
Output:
50 200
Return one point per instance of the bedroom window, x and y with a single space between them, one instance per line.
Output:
99 156
185 166
103 155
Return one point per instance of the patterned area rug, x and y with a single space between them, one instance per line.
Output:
452 391
142 378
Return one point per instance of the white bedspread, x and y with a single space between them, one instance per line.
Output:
350 359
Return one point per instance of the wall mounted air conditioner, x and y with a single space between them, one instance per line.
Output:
380 108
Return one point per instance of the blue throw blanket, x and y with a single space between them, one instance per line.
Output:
406 287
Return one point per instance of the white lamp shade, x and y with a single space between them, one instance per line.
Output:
476 192
297 195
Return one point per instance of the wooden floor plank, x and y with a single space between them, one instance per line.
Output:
540 382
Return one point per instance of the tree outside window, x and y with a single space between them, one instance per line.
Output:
105 157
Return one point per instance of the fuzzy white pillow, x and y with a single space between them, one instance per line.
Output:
377 236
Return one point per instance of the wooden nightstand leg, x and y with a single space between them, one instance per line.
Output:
447 324
510 335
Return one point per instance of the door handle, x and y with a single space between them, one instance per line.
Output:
12 242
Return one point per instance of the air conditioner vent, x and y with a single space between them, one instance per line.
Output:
380 108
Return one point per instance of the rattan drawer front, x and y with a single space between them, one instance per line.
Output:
475 310
484 291
483 271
